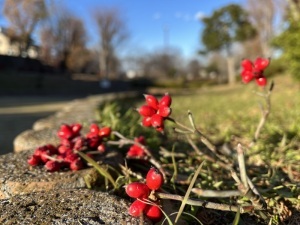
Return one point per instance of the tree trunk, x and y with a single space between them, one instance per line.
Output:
230 70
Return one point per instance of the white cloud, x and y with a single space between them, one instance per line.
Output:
199 15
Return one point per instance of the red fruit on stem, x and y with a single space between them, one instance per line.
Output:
136 151
154 179
146 122
94 128
136 208
137 190
76 128
63 149
261 63
247 64
151 101
164 111
104 132
261 81
157 120
65 132
101 148
76 165
34 160
146 110
166 100
154 213
247 76
71 157
52 166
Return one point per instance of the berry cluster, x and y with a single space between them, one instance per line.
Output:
154 112
254 71
135 151
141 192
64 155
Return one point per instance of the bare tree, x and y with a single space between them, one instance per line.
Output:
263 16
24 16
63 38
112 33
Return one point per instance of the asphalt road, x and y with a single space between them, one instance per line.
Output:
18 114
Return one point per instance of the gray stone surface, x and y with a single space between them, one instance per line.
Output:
69 206
31 139
18 178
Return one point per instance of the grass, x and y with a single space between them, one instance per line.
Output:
227 115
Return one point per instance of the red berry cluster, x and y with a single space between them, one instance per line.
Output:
141 192
135 150
64 155
254 71
154 112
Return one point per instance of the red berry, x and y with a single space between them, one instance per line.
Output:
157 120
136 151
94 128
166 100
101 148
146 122
76 128
65 132
154 179
151 101
247 65
34 160
154 213
137 190
164 111
146 110
76 165
247 76
104 132
136 208
63 149
261 63
261 81
71 157
52 166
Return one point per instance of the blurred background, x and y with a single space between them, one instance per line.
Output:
56 50
126 40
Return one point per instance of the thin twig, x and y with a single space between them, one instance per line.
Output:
242 166
206 204
215 194
265 112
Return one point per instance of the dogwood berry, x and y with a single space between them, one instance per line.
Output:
154 179
137 208
137 190
254 70
154 213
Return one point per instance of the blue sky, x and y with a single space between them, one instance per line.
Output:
151 23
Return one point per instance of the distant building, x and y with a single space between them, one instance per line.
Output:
11 48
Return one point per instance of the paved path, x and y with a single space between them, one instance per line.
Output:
19 113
